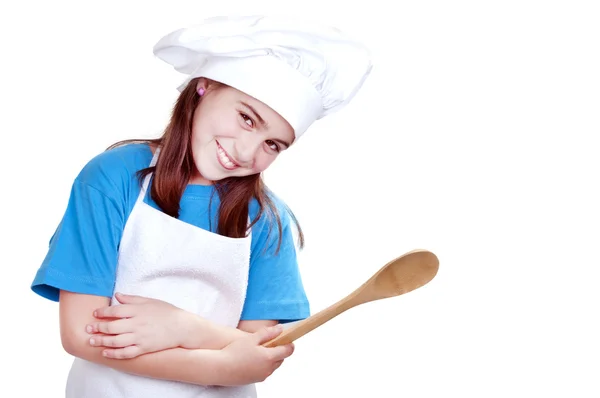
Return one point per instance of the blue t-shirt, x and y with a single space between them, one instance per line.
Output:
82 256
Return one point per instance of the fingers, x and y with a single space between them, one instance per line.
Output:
278 353
130 298
113 327
265 334
119 341
124 310
123 353
115 311
121 346
281 352
276 365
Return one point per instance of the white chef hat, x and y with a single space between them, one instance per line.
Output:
301 70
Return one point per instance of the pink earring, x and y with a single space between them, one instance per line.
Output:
201 91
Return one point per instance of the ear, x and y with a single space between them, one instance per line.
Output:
202 83
205 85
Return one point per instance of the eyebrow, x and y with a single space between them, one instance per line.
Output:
263 123
260 119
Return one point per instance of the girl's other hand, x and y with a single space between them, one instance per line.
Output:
247 361
138 326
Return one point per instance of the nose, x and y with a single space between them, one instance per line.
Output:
246 149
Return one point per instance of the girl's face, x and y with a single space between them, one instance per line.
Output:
235 135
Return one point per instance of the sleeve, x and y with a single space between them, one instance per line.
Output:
275 289
82 256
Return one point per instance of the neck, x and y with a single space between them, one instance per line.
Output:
197 179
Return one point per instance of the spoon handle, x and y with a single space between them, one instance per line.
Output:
312 322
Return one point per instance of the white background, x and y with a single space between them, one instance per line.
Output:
474 138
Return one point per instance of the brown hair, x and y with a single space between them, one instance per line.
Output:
175 166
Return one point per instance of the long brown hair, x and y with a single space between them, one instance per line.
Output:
175 166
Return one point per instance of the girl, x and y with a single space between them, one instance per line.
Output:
173 261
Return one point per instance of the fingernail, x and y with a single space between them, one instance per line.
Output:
92 341
105 353
89 329
95 313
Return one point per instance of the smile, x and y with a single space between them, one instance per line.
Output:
226 161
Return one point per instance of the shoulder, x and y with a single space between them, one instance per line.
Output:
113 162
99 204
114 170
275 224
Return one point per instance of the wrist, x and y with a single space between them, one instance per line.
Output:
224 368
228 370
209 368
194 331
201 333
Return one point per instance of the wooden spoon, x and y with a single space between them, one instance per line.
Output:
401 275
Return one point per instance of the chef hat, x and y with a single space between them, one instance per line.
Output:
301 70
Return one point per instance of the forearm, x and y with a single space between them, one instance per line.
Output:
179 364
209 335
196 356
204 334
203 367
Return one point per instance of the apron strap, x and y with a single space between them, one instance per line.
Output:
146 182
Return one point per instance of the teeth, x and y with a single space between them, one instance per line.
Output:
224 158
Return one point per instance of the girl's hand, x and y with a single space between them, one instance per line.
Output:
247 361
142 325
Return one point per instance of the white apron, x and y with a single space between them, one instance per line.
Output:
165 258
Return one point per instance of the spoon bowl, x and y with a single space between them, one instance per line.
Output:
399 276
402 275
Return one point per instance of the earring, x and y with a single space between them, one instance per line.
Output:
201 91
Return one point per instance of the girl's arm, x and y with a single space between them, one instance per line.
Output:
212 336
205 367
141 325
254 326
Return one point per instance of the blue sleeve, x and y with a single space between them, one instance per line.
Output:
275 289
82 256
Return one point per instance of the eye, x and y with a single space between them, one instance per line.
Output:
247 119
273 145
